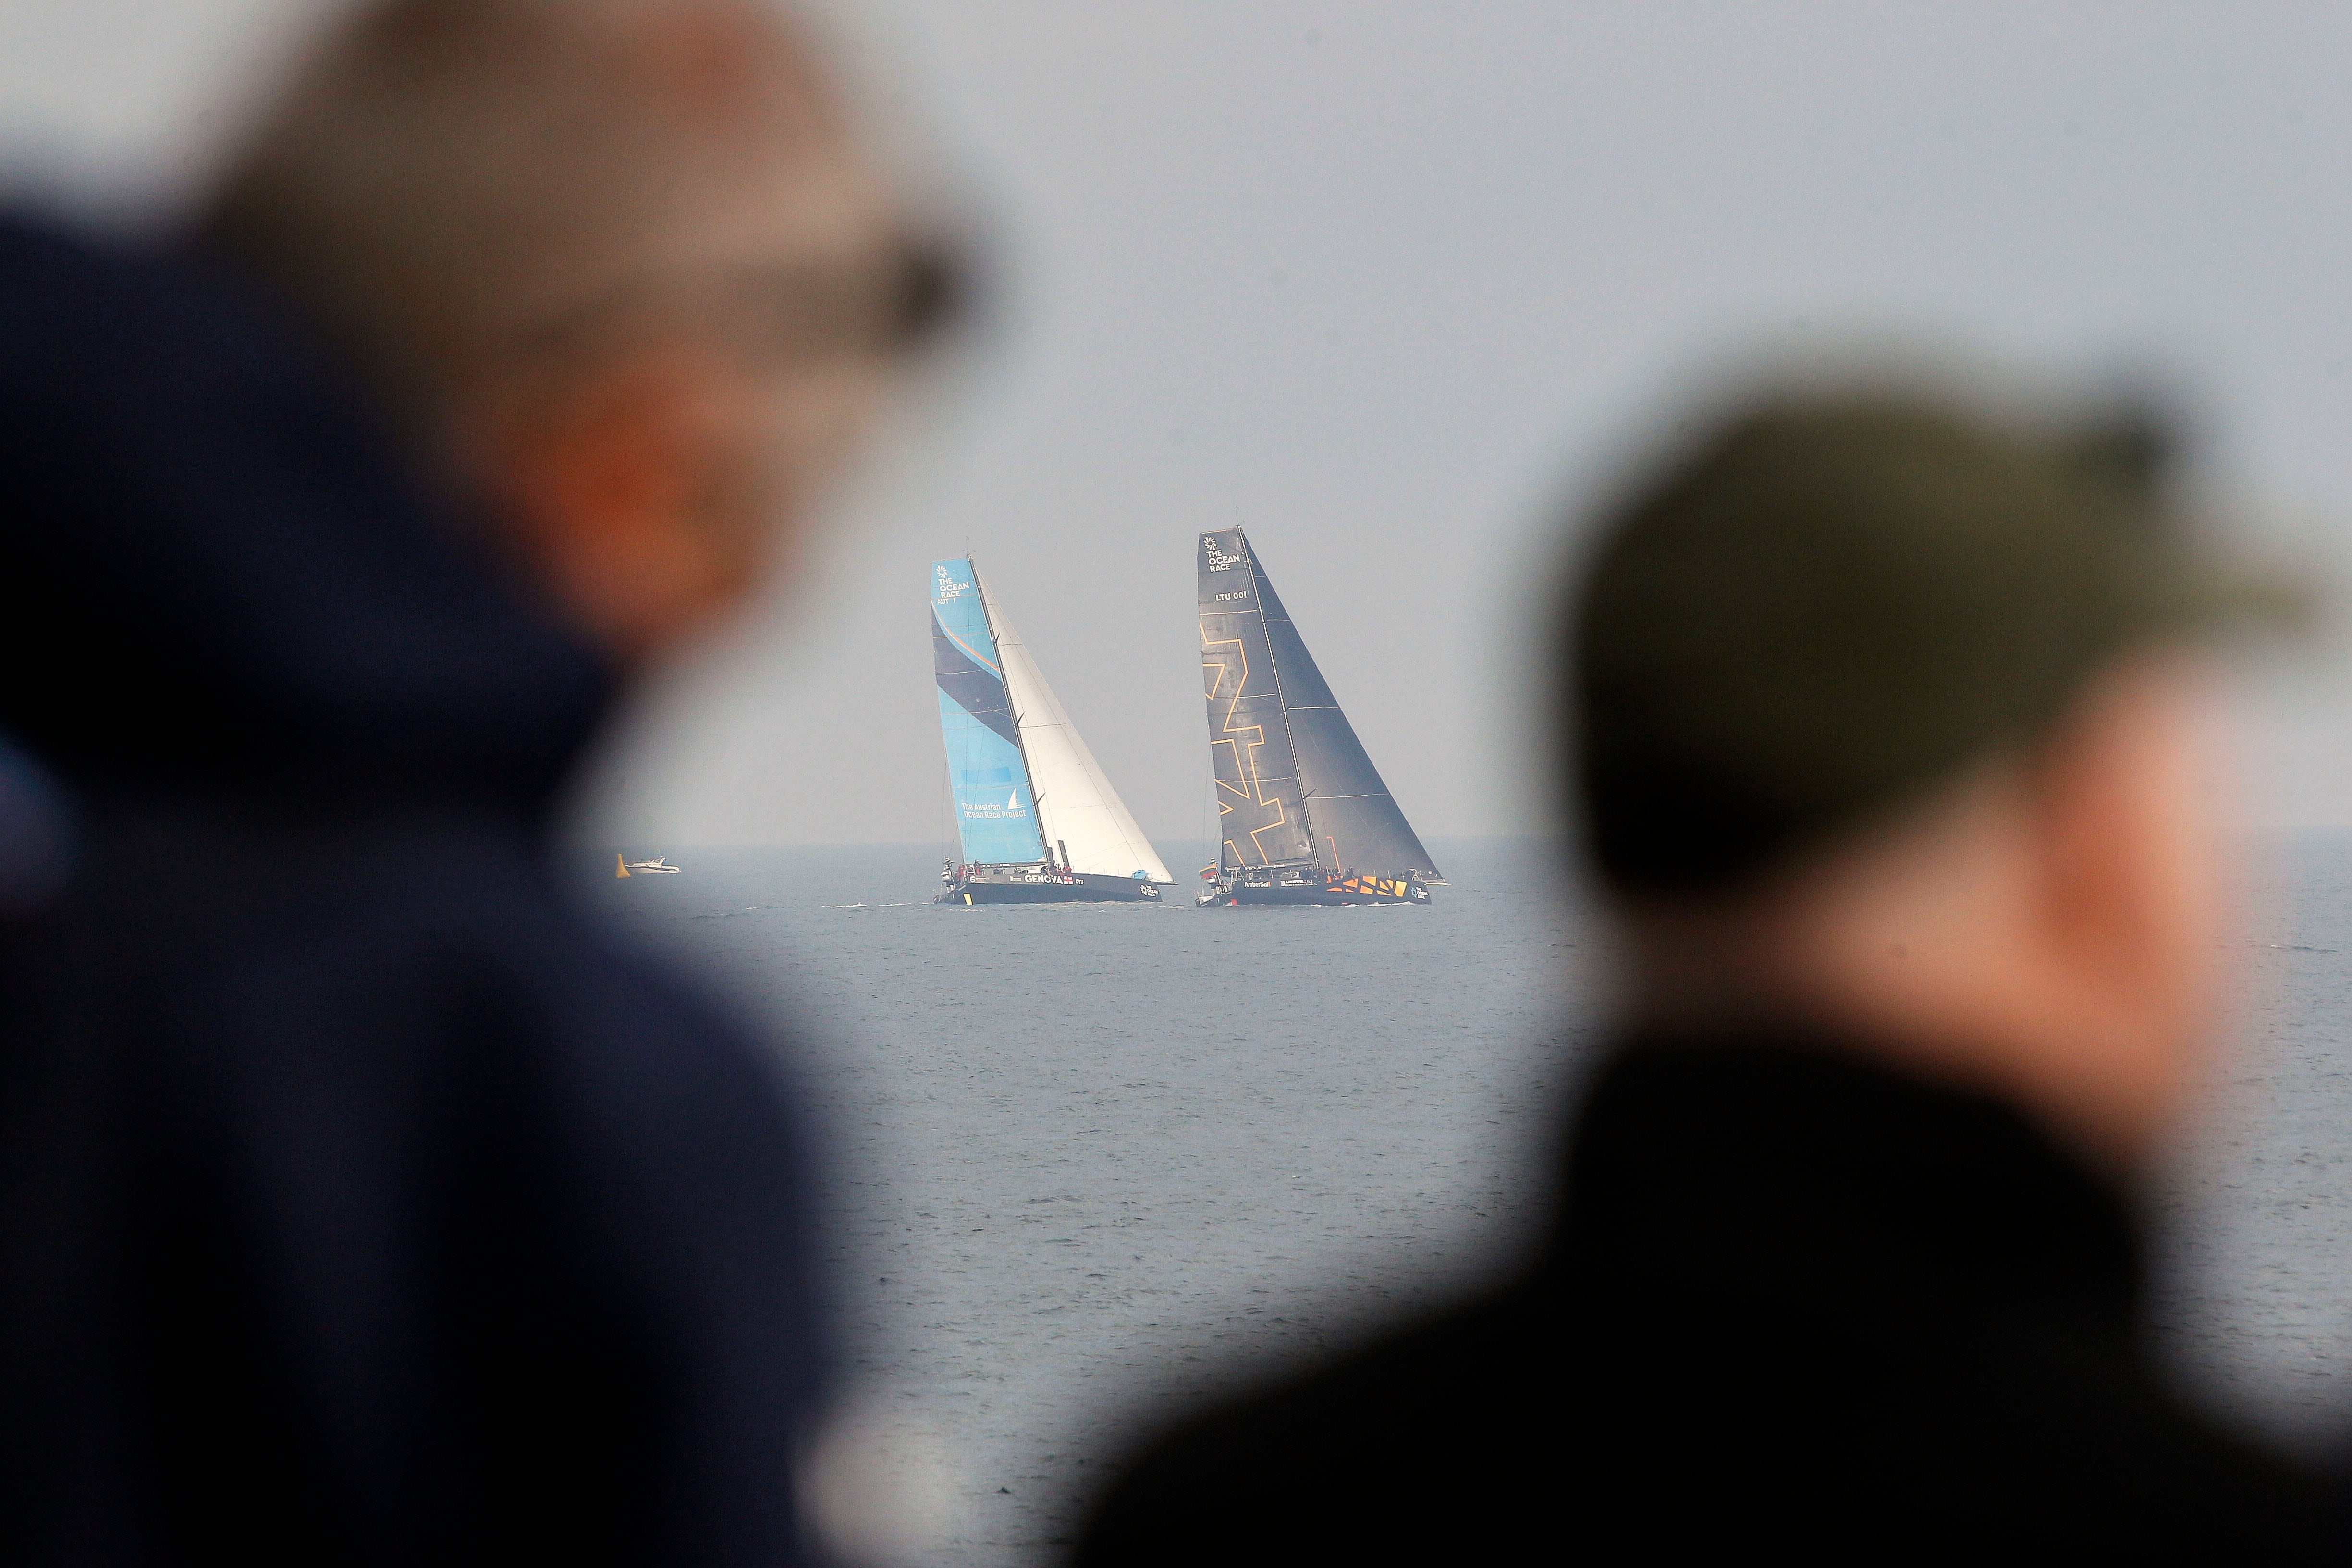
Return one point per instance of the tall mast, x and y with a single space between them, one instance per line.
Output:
1263 816
1306 804
1027 772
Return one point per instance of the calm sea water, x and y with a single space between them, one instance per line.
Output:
1076 1189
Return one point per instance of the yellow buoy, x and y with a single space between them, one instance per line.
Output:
620 866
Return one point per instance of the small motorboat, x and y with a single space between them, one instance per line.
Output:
658 865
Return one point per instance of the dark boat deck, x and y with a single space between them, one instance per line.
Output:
1038 885
1306 885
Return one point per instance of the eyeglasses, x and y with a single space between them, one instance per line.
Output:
897 304
891 304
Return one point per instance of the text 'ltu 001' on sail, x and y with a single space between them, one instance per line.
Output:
1038 821
1303 814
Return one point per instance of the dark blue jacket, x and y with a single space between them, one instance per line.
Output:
359 1201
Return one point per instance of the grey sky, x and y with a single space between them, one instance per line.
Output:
1388 281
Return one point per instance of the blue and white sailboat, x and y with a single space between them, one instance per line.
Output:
1036 820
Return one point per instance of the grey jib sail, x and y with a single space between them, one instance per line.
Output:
1294 785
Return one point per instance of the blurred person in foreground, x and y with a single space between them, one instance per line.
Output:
1887 731
359 1200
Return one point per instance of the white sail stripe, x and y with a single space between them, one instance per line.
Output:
1075 804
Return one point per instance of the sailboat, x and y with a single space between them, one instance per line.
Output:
1303 816
1036 820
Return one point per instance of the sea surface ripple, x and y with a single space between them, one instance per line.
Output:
1091 1164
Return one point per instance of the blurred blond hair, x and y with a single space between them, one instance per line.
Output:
444 180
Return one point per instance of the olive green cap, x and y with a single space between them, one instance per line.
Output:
1832 604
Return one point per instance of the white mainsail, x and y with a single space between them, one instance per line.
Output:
1081 815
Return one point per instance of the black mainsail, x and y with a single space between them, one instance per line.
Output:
1294 788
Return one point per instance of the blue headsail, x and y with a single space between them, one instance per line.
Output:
995 812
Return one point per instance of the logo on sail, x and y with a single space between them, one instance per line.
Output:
989 811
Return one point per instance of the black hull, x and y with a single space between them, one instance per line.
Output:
1080 888
1326 891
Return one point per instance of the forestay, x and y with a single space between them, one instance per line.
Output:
1083 819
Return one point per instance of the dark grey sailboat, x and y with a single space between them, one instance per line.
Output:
1301 811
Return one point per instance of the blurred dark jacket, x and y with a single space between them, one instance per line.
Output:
1793 1307
359 1200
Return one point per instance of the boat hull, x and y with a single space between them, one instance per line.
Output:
1289 889
1076 887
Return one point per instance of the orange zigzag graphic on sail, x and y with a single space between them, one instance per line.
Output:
1244 759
